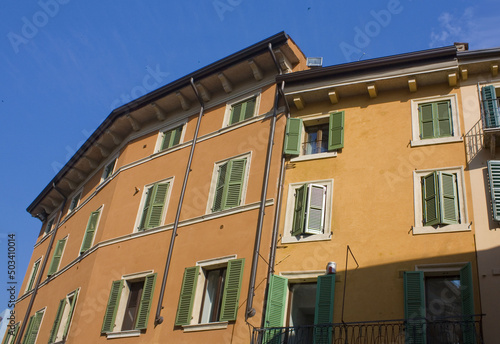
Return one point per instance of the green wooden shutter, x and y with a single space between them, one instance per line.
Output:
276 301
232 286
70 314
157 205
145 305
494 179
236 111
34 326
323 312
186 298
57 321
145 211
11 337
90 231
299 210
171 138
28 329
443 117
167 136
249 108
430 199
33 275
56 258
235 181
176 137
336 131
293 136
315 218
448 199
467 296
219 189
426 116
414 307
490 107
108 323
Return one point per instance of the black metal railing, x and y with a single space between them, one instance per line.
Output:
490 113
463 330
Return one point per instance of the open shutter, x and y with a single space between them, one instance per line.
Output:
275 309
219 189
157 204
430 199
494 178
186 298
145 305
31 334
293 136
443 114
448 199
57 321
28 329
414 307
299 210
232 286
315 217
90 231
145 211
467 295
490 107
336 131
323 312
10 337
234 183
56 258
108 323
70 314
426 117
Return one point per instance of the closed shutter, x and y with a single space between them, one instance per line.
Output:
316 200
448 199
336 131
90 231
145 305
186 298
427 129
145 211
171 138
234 183
443 117
11 336
490 107
56 258
176 137
220 187
467 295
323 312
28 329
236 113
293 136
249 108
232 286
430 199
299 210
414 307
167 136
156 207
33 275
108 323
57 321
494 178
70 314
276 301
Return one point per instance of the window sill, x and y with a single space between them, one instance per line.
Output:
123 334
443 229
314 156
205 327
305 238
425 142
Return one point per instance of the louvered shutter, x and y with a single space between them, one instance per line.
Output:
176 137
336 131
186 298
414 307
34 327
108 323
426 121
299 210
467 296
236 113
276 301
145 305
167 136
234 183
315 217
490 107
293 136
494 179
219 189
56 258
70 314
11 337
28 329
157 205
145 211
430 199
33 275
448 199
90 231
57 321
323 312
232 286
443 117
249 108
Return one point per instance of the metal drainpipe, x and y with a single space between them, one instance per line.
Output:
250 311
40 273
158 317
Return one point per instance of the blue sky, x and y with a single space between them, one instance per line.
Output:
66 64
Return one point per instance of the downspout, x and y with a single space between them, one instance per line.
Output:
42 268
250 311
158 317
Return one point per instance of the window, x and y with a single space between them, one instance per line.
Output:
435 120
210 292
11 334
242 110
34 271
494 179
56 258
229 184
491 106
319 136
62 322
439 201
440 295
33 326
49 226
154 204
75 201
108 170
308 211
170 138
88 238
129 303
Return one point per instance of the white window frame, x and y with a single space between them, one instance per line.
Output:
162 132
39 327
418 227
111 161
53 219
39 260
65 316
290 208
8 336
415 123
306 122
169 180
77 195
215 177
240 99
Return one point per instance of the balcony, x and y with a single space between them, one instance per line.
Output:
445 331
